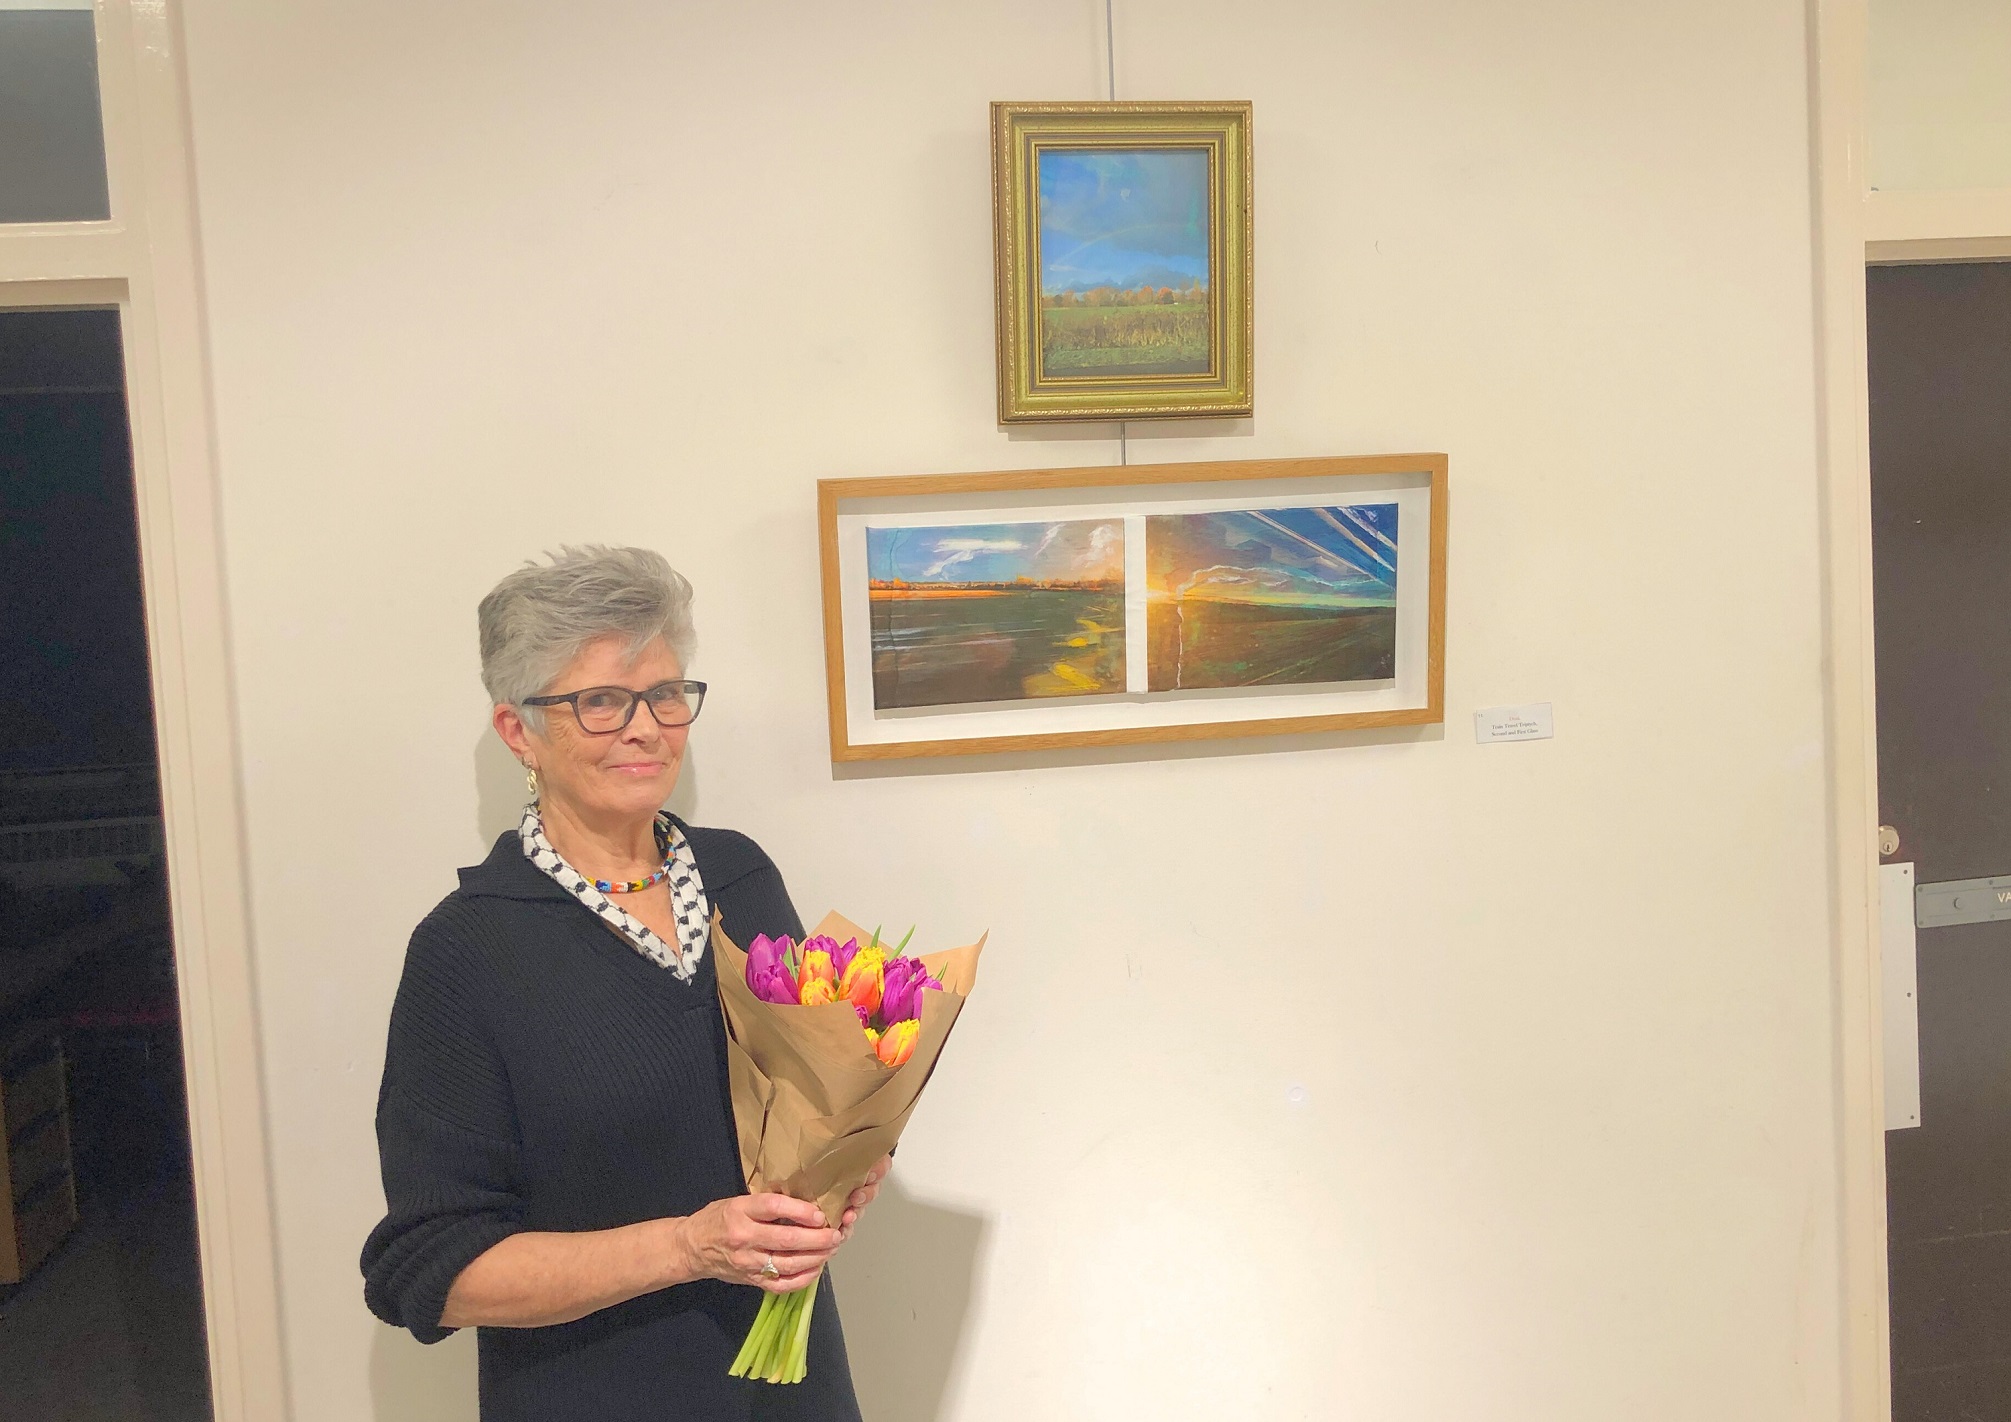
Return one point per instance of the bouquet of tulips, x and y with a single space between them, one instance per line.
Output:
828 1045
885 989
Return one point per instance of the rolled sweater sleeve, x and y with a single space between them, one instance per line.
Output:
447 1136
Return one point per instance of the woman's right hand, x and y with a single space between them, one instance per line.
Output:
736 1239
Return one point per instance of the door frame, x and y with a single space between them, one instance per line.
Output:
144 262
1856 227
1839 34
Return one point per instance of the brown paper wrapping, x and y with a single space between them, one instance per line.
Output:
813 1106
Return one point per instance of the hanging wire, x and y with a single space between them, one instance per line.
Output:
1110 51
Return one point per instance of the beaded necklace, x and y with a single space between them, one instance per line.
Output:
682 952
636 886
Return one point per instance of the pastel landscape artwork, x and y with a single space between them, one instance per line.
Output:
992 612
1124 251
1271 597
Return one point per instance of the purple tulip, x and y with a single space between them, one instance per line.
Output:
841 953
905 982
765 952
900 999
896 997
768 969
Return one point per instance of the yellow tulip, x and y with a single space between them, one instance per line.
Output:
864 977
817 964
897 1043
817 991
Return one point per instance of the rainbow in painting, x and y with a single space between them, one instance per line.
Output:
992 612
1271 597
1124 262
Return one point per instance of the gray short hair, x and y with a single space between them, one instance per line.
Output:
540 617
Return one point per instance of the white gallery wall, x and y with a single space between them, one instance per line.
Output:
1381 1076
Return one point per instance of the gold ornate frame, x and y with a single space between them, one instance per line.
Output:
1019 133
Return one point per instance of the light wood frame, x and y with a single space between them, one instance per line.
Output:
1019 133
143 262
831 492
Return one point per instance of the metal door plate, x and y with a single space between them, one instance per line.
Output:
1956 901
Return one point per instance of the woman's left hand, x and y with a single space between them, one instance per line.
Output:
863 1196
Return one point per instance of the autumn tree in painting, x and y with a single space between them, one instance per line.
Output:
1193 294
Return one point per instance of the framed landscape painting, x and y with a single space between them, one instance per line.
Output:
1107 606
1123 266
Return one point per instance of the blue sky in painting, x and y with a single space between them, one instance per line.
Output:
1079 549
1341 550
1123 217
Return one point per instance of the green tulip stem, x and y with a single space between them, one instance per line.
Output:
777 1349
799 1344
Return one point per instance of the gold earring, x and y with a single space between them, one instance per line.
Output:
531 780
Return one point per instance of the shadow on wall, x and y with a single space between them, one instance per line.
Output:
500 790
1063 757
410 1382
905 1282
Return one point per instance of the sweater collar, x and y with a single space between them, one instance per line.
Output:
506 874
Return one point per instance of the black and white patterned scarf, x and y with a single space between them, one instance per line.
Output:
687 895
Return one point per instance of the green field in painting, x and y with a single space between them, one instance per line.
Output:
1201 642
1165 339
1016 644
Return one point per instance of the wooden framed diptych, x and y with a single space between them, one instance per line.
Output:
971 613
1121 242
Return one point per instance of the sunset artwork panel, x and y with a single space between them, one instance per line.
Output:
1271 597
996 612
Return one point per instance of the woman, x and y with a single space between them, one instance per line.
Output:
555 1124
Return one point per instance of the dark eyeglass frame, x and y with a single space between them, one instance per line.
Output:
693 691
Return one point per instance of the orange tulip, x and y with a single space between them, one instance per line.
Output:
817 964
897 1043
863 979
817 992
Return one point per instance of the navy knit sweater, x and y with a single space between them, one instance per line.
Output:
543 1075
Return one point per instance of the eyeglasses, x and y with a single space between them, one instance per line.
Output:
603 710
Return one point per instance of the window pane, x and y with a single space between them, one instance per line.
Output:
1939 94
52 140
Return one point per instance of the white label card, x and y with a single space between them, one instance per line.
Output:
1513 723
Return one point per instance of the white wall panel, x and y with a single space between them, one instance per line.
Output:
1388 1077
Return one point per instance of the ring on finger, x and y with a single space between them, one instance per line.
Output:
769 1271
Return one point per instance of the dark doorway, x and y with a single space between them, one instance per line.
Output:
1940 362
100 1291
